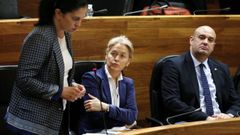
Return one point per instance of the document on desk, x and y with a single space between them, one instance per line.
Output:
112 131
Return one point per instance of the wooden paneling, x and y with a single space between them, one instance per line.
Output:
218 127
153 37
28 8
212 5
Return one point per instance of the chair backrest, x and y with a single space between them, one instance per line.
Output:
8 74
236 80
156 103
9 9
114 7
7 78
77 108
84 66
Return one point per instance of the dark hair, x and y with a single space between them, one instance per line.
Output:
47 9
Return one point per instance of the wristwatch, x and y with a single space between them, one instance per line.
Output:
107 110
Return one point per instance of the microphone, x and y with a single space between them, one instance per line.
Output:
168 120
99 83
211 10
150 9
101 11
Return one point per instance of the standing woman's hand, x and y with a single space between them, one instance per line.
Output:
73 93
81 88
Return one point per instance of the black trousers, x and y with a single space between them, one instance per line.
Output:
64 129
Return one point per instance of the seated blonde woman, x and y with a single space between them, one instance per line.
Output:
109 93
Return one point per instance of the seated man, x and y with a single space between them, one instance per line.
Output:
193 80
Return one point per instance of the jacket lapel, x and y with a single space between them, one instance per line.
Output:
59 60
122 92
105 89
215 75
192 74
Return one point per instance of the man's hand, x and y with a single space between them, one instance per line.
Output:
210 118
222 116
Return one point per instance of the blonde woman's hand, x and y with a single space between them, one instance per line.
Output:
94 104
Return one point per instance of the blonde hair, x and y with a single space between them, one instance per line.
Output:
121 40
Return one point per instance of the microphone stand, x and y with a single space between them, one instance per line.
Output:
182 114
211 10
99 83
139 11
101 11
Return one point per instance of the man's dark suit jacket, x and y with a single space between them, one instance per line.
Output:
180 90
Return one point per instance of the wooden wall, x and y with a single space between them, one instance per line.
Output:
153 37
29 8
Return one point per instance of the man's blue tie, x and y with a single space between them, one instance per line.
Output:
206 91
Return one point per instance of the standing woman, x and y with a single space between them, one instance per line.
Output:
44 81
110 92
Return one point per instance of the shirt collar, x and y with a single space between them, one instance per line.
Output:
120 77
197 63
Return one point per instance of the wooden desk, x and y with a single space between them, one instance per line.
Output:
219 127
153 37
